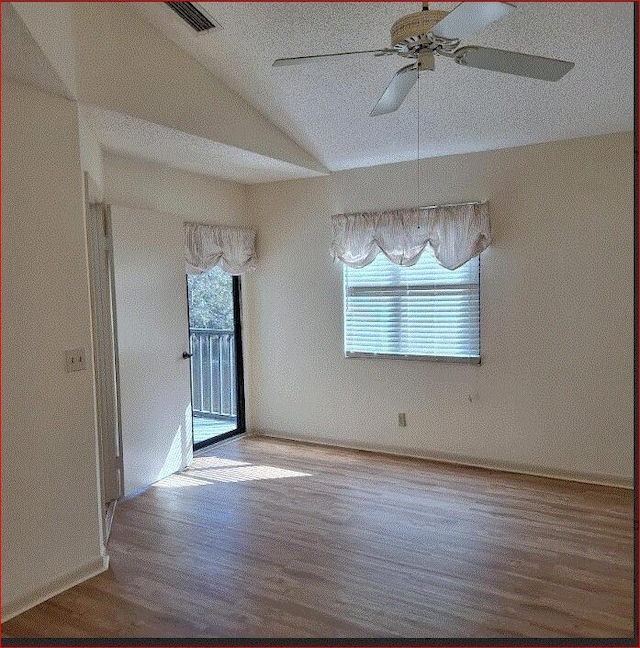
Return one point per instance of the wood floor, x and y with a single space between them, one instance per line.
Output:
266 538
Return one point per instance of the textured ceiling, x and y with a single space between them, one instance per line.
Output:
135 137
325 106
22 59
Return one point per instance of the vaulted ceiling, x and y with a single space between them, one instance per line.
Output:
212 103
140 95
325 106
22 59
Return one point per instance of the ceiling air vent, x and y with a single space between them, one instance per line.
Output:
195 17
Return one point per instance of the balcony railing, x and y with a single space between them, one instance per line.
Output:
213 367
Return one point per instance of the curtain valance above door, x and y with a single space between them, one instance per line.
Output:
456 233
232 248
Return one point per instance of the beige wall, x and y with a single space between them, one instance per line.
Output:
91 159
51 533
554 393
144 185
150 205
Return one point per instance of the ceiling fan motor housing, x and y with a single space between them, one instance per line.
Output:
409 35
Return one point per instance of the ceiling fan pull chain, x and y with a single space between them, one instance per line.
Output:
418 160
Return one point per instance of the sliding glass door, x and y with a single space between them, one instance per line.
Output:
217 392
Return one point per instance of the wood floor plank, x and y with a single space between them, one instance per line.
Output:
269 538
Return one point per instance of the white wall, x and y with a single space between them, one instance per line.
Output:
554 393
150 204
51 533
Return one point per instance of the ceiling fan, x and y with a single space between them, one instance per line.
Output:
423 35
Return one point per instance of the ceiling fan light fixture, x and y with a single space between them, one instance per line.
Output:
410 30
426 61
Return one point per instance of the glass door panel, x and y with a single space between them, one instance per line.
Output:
215 346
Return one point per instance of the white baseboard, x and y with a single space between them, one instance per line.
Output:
24 603
503 466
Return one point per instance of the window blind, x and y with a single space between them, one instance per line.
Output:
422 311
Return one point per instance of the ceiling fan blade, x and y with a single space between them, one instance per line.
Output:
471 17
306 59
526 65
396 91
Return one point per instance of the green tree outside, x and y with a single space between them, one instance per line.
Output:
211 300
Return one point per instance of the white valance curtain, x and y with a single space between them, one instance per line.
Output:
232 248
456 233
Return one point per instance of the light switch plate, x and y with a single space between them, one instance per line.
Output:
75 360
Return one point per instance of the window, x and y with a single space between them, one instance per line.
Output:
423 311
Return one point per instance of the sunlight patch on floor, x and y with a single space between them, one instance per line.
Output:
248 473
201 463
208 470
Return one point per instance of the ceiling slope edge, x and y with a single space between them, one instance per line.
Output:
131 137
22 58
127 66
50 25
109 58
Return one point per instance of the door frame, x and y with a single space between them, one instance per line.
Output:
105 352
241 425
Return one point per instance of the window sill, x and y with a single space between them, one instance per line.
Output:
399 356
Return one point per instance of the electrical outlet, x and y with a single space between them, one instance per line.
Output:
402 419
75 360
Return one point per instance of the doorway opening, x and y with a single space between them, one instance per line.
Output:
215 345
